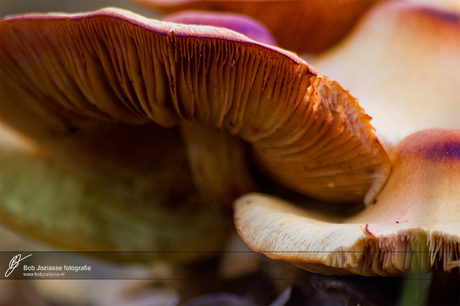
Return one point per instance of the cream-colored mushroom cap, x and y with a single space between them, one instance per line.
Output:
95 91
403 65
414 224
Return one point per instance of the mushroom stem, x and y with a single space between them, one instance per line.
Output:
219 163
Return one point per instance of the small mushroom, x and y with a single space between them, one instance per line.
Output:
301 26
402 63
412 225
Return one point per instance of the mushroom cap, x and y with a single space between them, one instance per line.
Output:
406 68
236 22
449 5
45 202
94 91
301 26
412 225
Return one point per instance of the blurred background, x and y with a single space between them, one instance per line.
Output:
8 7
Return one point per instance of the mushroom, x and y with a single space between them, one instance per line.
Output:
450 5
412 225
402 63
172 115
301 26
236 22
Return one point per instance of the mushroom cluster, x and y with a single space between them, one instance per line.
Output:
403 62
151 126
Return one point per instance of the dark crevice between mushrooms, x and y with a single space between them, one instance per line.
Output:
270 186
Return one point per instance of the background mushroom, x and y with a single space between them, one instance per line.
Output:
236 22
450 5
300 26
402 63
413 224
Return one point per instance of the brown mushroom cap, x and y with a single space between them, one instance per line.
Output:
413 224
406 68
96 89
301 26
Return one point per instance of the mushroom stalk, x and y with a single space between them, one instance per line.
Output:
218 162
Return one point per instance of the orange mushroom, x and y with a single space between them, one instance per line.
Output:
95 86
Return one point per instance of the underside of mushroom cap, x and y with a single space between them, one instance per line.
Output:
300 26
414 223
93 90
